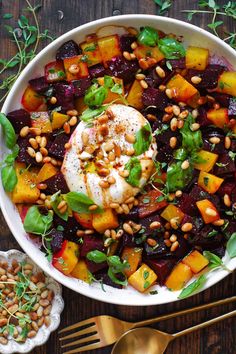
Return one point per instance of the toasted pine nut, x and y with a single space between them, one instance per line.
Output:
114 205
140 77
66 127
129 200
227 142
214 140
74 69
130 152
216 105
176 110
61 204
169 93
173 124
43 151
24 131
143 63
31 151
93 207
185 165
67 146
219 222
174 246
35 131
173 238
72 112
183 114
134 45
127 228
125 208
89 232
180 123
143 84
119 233
132 31
195 126
196 79
151 242
33 143
130 138
187 227
162 87
80 233
103 119
113 234
38 157
227 200
104 184
107 233
173 142
167 243
103 129
124 173
160 72
103 172
210 212
73 121
111 180
47 159
126 55
53 100
174 223
195 113
132 56
178 193
155 225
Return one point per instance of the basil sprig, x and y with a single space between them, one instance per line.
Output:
231 246
135 171
194 287
148 36
8 131
177 178
95 95
37 223
143 139
80 203
55 199
191 140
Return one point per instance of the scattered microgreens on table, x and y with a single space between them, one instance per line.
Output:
26 38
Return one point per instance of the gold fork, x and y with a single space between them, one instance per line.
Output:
100 331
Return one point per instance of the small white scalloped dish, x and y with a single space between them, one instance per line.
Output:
192 35
57 307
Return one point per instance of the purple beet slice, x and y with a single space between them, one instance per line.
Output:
56 183
91 243
159 251
19 119
232 107
208 238
155 97
124 69
80 86
209 76
67 50
225 165
125 42
64 94
222 98
57 148
39 84
97 71
162 268
57 240
145 222
103 276
177 63
23 155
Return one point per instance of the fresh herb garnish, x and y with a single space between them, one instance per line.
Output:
91 48
232 155
231 246
55 199
143 139
148 36
37 223
192 288
80 203
214 260
163 6
171 48
8 131
153 292
135 171
95 95
177 178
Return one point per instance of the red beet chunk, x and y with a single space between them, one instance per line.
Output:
222 98
95 267
128 240
57 148
124 69
209 76
230 228
196 222
155 80
97 71
211 132
159 251
226 188
39 84
162 268
80 86
222 61
70 228
177 63
202 117
232 107
23 155
67 50
125 42
19 119
56 183
225 165
155 97
91 243
165 154
145 222
64 94
204 240
57 240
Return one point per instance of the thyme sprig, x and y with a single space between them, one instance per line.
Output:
26 38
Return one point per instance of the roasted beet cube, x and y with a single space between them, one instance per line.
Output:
105 279
162 268
187 204
40 84
57 148
155 80
202 117
232 107
97 71
69 227
222 61
177 63
207 238
128 240
226 187
219 251
56 183
91 243
225 165
133 215
145 222
158 251
196 222
229 228
67 50
23 155
155 97
207 134
64 94
19 119
57 240
222 98
125 42
80 86
165 154
209 76
124 69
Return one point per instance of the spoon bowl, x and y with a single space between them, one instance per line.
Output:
142 340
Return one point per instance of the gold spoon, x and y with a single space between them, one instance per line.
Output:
146 340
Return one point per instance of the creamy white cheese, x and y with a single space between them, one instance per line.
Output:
79 168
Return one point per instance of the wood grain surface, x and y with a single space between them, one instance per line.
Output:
217 339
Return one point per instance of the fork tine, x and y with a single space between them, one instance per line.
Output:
85 347
82 340
89 321
80 333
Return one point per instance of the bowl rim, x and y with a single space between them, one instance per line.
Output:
112 20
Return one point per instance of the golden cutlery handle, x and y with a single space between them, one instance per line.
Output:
204 324
183 312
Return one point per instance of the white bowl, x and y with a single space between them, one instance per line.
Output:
192 36
57 307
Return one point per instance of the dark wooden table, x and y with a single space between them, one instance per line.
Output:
218 339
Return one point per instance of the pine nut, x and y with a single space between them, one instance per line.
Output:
38 157
173 124
111 156
143 84
103 119
143 64
53 100
129 200
169 109
132 56
174 223
93 207
140 77
31 151
114 205
227 142
47 159
174 246
151 242
24 131
130 152
104 172
109 146
187 227
167 243
155 225
166 118
196 79
47 310
210 212
173 142
43 141
173 238
103 129
127 228
125 208
66 127
227 200
35 131
73 121
195 126
113 234
47 321
40 321
176 110
40 311
72 112
130 138
43 151
3 340
132 31
160 72
119 233
219 222
183 114
44 294
61 204
43 196
178 194
169 93
43 302
35 326
80 233
107 233
124 173
74 69
214 140
216 106
195 113
185 165
111 180
31 334
162 87
126 55
180 124
119 210
134 45
104 184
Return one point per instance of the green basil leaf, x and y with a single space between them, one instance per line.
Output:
116 263
143 139
89 114
96 256
7 16
55 200
95 95
214 260
9 178
80 202
108 81
177 178
191 140
37 223
117 88
180 154
171 48
193 287
135 171
10 158
8 131
115 280
231 246
148 36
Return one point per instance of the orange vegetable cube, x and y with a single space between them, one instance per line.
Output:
134 97
208 211
196 261
66 259
179 276
227 83
109 48
133 255
77 63
58 120
112 96
143 51
183 90
148 203
209 182
218 117
54 71
86 220
197 58
173 212
143 278
92 51
42 121
81 271
46 171
25 190
31 100
208 160
106 220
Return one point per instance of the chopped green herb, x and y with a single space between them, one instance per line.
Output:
205 181
145 274
146 284
135 171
